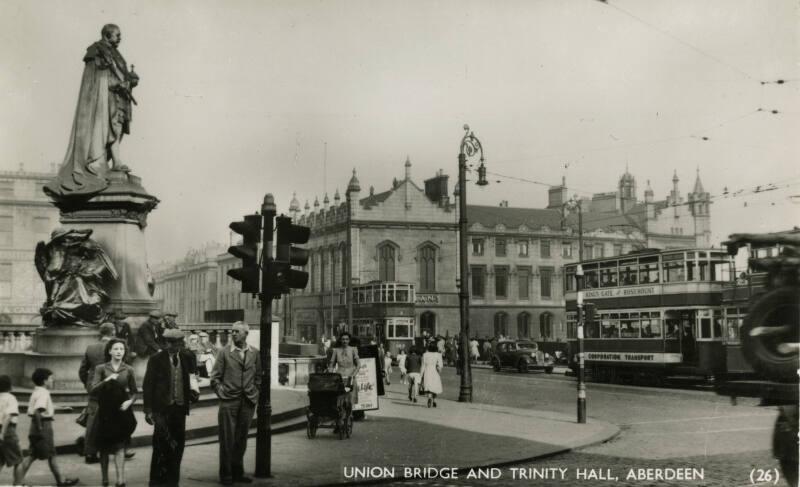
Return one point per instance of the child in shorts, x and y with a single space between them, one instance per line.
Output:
10 454
41 411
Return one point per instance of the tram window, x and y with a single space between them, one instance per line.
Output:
672 326
593 328
608 277
648 270
610 326
705 327
674 271
720 271
717 323
629 325
628 272
590 279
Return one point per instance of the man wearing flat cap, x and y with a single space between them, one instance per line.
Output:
171 320
151 335
122 330
169 387
236 379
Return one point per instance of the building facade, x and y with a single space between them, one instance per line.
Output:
26 217
404 271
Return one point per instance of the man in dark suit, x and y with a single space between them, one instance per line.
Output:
236 379
168 389
95 355
151 335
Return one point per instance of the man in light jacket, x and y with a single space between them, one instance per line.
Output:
236 378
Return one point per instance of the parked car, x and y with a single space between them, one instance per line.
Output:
522 355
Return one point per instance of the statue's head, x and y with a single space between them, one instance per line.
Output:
112 34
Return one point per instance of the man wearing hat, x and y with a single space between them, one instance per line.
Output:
122 330
171 320
236 379
169 386
151 335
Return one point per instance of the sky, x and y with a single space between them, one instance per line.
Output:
242 98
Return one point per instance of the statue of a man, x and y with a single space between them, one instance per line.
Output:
102 117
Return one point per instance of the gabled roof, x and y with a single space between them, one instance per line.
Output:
375 199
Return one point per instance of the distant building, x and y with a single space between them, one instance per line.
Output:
405 258
26 217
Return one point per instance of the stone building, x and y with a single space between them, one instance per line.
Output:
405 258
26 217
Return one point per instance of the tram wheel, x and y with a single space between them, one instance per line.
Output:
771 332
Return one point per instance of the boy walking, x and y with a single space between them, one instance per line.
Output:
41 411
10 454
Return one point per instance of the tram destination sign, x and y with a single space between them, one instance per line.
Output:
622 292
653 358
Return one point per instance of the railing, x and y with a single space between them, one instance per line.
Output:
17 338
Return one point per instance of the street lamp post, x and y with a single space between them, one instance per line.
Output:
575 204
470 145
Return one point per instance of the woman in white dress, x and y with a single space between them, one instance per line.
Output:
431 366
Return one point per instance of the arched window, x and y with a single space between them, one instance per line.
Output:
501 324
427 268
386 256
427 322
524 325
546 325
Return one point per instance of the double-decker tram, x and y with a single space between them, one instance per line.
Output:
656 313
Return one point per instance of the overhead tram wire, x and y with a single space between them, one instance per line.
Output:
681 41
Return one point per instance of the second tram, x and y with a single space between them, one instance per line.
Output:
657 313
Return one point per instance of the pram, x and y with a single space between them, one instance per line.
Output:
330 405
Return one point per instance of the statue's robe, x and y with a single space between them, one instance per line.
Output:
101 117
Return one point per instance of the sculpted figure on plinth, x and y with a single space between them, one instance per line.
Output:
76 272
102 117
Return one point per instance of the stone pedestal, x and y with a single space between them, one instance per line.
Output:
60 350
118 217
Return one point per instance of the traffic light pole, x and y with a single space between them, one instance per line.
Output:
264 411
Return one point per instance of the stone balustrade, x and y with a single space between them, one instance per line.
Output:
17 338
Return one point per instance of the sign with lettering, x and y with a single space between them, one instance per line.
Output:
427 299
652 358
367 383
621 292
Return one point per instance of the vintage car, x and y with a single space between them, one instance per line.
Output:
522 355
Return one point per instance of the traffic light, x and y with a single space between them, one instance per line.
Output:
282 278
250 230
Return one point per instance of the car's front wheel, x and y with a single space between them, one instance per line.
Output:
522 366
496 365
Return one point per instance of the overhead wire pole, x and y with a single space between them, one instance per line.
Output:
263 424
581 328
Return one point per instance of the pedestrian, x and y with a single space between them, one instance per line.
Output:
487 350
207 357
10 453
431 367
122 330
114 388
413 366
401 364
440 344
95 355
473 350
344 361
236 379
170 320
167 390
387 367
40 434
151 335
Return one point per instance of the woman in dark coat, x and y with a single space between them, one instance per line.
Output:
114 385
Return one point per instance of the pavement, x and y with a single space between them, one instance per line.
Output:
400 434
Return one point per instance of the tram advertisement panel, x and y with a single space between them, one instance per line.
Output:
367 379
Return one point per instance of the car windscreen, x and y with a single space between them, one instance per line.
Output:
527 345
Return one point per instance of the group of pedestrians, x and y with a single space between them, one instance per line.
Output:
419 372
170 387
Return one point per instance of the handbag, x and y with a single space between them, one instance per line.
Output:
83 418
